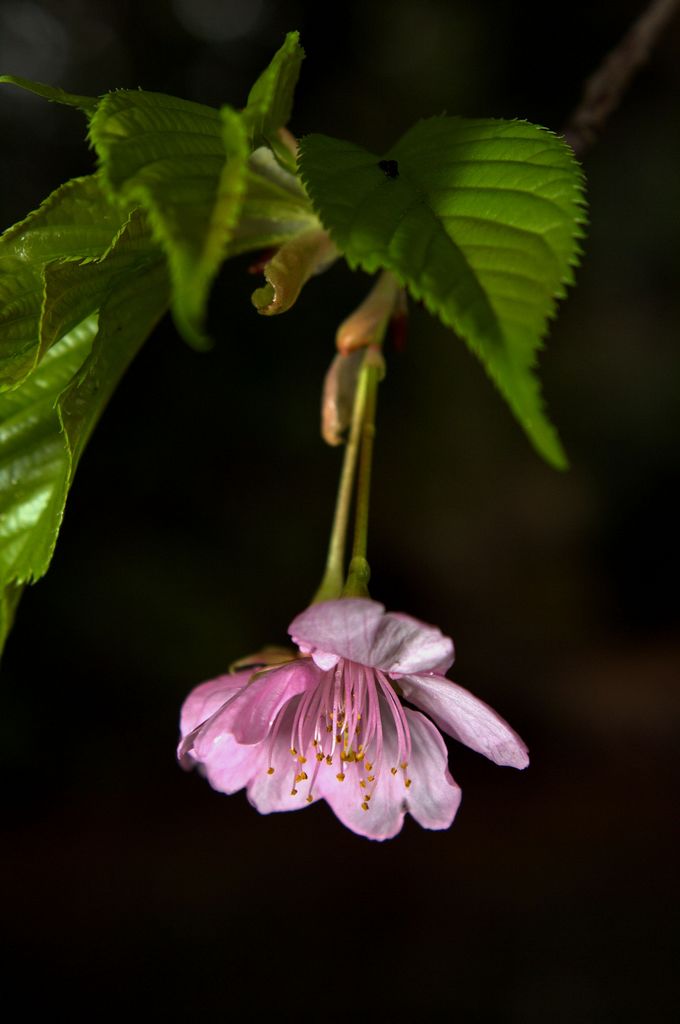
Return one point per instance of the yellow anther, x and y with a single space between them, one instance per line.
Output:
315 743
329 728
310 798
404 765
338 738
370 778
369 766
364 806
359 755
340 776
362 783
329 759
293 791
407 782
293 751
302 759
319 756
393 770
301 776
270 771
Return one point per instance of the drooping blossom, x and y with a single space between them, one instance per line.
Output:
329 723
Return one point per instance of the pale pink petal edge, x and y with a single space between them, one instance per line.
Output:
360 630
467 718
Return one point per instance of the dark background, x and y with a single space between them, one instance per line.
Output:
196 530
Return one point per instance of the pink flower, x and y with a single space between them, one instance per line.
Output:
330 725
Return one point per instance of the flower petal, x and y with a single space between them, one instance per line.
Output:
387 804
325 661
230 765
251 714
272 792
204 700
203 703
404 645
466 718
433 796
385 816
360 630
345 627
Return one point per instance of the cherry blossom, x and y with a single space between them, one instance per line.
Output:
329 724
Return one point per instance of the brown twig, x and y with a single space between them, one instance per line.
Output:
604 89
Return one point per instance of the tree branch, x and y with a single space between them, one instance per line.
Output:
604 89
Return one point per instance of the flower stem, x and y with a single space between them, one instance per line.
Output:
359 573
334 575
365 328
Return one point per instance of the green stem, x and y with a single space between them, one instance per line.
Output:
359 571
334 575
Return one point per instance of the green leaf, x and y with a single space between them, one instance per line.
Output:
270 100
479 219
73 289
54 95
185 164
45 423
137 297
74 222
275 207
9 599
34 459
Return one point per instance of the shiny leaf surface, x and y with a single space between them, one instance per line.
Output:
185 165
480 220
